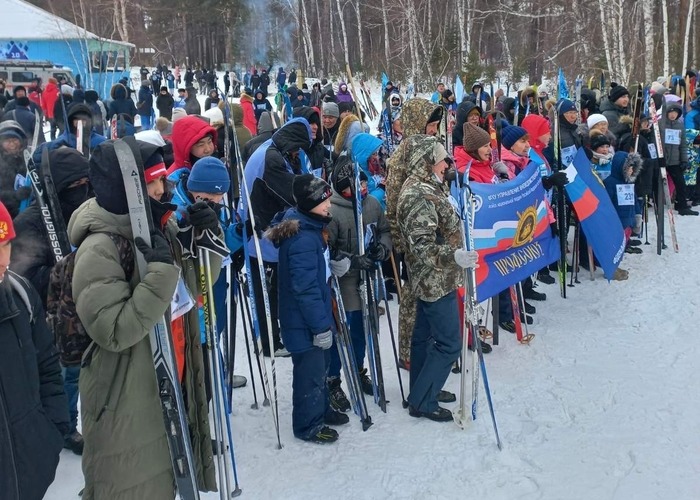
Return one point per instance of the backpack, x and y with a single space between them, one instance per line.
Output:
61 316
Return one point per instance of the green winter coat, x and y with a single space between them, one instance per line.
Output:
126 452
429 225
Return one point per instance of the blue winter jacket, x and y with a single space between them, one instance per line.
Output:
145 104
363 146
66 139
617 177
303 271
692 117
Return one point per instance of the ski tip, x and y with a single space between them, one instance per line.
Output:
366 424
236 493
500 445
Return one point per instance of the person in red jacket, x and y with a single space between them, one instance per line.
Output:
193 138
48 102
249 120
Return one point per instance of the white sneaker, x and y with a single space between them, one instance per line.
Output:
282 353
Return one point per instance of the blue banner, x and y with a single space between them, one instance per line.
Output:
562 88
596 213
511 231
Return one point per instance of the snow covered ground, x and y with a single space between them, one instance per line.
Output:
602 405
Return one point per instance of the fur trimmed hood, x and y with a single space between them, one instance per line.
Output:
282 231
621 161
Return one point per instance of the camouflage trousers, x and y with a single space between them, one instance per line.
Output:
407 319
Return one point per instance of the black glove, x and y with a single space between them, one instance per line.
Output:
558 179
159 251
362 263
378 252
248 228
202 216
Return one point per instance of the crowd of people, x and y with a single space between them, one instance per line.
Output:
276 188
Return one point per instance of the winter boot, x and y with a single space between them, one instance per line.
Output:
533 295
338 399
687 211
485 348
621 274
439 415
366 383
529 309
74 442
324 436
239 381
446 397
525 318
508 326
335 418
545 277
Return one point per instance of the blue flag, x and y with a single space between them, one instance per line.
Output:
511 231
596 213
385 80
459 90
563 89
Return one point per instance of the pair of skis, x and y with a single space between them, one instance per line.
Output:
471 327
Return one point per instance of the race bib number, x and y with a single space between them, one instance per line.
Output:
673 137
625 194
652 151
567 155
182 301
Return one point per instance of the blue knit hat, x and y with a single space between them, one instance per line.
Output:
565 105
511 134
209 175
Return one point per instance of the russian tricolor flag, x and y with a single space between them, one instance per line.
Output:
584 201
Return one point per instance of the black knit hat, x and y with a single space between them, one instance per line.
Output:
616 92
598 140
310 191
343 175
79 109
344 107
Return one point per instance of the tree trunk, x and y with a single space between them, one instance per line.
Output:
688 22
606 40
343 31
320 37
667 56
360 45
648 9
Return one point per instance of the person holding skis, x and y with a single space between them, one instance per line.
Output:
270 173
126 449
675 145
431 232
35 411
305 312
342 238
34 259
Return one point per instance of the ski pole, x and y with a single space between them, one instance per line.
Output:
391 335
254 406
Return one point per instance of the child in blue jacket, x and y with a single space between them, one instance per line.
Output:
305 308
619 184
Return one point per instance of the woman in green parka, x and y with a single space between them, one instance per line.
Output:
126 453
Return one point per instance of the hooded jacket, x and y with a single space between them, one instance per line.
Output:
270 173
675 153
32 254
126 450
644 183
612 112
305 307
316 152
192 106
429 226
187 132
33 406
12 165
618 177
121 103
342 238
345 96
463 111
349 127
48 99
363 146
415 115
249 118
165 103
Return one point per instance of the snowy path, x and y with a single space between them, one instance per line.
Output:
603 405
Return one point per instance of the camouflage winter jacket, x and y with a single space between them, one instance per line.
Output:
429 226
415 115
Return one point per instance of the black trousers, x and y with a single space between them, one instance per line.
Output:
271 278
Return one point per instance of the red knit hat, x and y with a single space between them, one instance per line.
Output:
7 229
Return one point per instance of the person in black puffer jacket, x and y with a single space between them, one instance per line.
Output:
33 405
317 152
121 104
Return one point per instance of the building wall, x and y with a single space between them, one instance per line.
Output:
75 55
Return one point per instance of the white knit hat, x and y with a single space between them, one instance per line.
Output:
595 119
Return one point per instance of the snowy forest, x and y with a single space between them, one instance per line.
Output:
420 40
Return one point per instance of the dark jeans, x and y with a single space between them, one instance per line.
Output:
309 392
675 172
71 375
359 343
505 307
435 346
271 272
